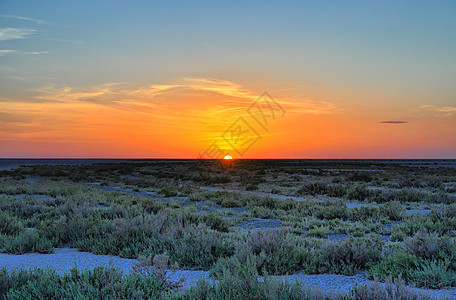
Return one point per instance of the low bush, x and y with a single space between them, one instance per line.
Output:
390 290
335 190
412 195
358 192
333 211
393 211
9 225
278 251
344 257
319 232
423 244
99 283
312 188
25 242
365 213
430 273
359 176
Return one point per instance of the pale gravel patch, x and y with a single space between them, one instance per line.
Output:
335 284
64 259
357 204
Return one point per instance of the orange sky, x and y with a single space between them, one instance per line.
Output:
183 118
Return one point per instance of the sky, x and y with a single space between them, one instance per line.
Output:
252 79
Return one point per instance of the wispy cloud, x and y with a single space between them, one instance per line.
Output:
35 52
394 122
18 52
446 110
4 52
230 96
10 33
37 21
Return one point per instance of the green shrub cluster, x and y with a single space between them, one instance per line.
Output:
426 260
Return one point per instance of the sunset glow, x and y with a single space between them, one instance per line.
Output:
165 81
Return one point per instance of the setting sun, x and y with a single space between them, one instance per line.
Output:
227 157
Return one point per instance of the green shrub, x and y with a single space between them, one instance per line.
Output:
393 211
216 222
344 257
365 213
199 247
435 274
99 283
442 197
168 192
423 244
231 202
415 270
402 265
319 232
27 241
333 211
391 290
278 251
359 176
412 195
313 188
9 225
358 192
261 212
335 190
250 288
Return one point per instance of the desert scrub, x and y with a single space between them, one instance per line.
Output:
50 188
25 242
393 211
99 283
391 290
358 192
199 246
343 257
423 244
433 222
274 252
319 232
425 260
278 251
365 213
9 225
332 209
415 270
240 281
313 188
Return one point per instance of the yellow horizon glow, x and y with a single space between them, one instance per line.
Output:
180 120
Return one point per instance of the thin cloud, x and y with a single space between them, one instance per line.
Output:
16 52
35 52
4 52
232 96
37 21
10 33
446 110
394 122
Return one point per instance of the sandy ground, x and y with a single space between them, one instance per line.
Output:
63 259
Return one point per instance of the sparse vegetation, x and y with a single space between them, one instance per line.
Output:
392 222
